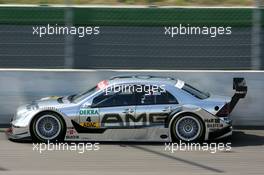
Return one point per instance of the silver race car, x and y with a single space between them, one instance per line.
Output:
129 108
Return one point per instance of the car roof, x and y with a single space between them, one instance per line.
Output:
142 79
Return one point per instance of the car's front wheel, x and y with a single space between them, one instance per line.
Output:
48 126
187 128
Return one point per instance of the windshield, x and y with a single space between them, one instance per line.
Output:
195 92
83 95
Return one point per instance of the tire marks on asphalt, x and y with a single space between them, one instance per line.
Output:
179 159
2 169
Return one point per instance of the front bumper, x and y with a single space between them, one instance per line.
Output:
14 133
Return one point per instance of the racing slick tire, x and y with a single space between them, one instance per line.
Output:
188 127
48 127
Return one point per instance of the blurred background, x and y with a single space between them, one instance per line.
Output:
132 34
131 37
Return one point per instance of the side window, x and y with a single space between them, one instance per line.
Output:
123 98
166 98
155 96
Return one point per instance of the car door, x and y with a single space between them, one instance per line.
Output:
155 105
88 116
114 108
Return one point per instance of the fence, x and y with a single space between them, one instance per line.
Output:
131 38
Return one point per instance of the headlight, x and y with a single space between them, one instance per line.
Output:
24 110
21 114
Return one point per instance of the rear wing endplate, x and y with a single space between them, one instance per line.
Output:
239 84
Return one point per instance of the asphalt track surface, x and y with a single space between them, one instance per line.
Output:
245 157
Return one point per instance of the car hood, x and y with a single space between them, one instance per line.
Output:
47 102
52 101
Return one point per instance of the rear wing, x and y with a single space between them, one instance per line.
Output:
240 87
239 84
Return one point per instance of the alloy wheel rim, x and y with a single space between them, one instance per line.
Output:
188 128
48 127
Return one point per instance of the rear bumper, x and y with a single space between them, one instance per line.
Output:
220 133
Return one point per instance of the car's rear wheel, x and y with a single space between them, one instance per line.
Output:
48 126
188 128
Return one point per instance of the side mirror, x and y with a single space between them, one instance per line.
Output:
86 105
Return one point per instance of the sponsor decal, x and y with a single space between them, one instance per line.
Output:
103 84
212 120
179 84
89 112
213 123
72 134
143 120
90 124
